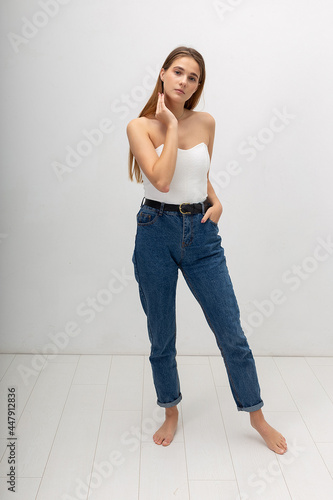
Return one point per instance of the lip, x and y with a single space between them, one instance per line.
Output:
181 91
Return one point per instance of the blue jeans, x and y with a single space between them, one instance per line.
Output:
166 241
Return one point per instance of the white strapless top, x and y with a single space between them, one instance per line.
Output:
189 182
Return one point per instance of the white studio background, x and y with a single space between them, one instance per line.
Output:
72 67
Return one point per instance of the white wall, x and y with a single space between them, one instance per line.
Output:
67 236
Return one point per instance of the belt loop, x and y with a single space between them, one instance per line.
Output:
142 201
161 208
203 207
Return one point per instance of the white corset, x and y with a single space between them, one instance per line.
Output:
189 182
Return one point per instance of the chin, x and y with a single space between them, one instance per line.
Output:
176 95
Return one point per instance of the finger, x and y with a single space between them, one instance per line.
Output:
206 215
158 105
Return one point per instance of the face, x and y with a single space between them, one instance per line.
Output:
183 74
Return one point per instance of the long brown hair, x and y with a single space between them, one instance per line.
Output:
150 107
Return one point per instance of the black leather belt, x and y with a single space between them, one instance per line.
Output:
183 208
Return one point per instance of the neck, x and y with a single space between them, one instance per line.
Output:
177 109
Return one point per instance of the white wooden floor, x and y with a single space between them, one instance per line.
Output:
85 426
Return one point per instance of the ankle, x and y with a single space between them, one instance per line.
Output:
258 414
257 418
169 412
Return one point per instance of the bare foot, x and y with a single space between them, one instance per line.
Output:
164 435
274 440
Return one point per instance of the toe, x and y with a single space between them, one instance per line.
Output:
279 450
283 443
167 440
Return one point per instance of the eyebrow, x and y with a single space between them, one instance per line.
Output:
183 70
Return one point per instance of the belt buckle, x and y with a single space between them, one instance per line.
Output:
180 208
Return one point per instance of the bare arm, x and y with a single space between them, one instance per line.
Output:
158 169
215 211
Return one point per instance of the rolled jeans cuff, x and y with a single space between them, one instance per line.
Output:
251 408
172 403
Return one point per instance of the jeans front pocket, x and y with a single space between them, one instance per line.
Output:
146 216
212 222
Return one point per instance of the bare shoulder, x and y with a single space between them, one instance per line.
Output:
139 123
205 120
206 117
207 123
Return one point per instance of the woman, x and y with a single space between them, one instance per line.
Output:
177 228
